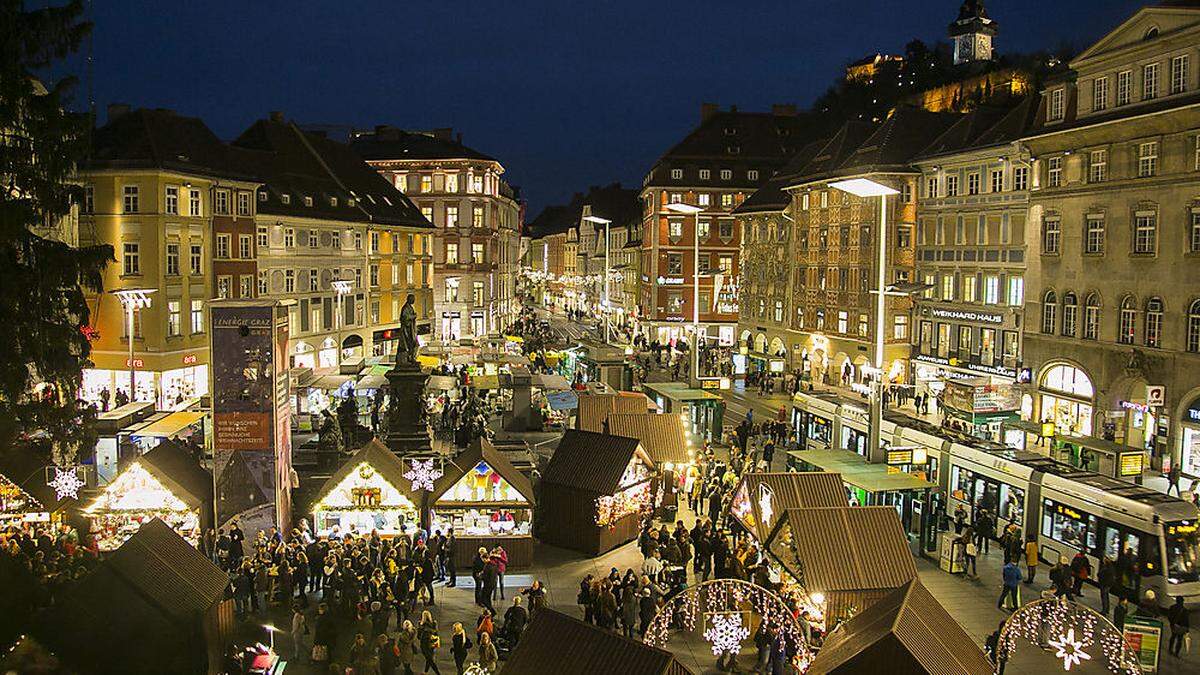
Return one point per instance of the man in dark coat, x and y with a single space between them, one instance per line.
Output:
477 566
490 578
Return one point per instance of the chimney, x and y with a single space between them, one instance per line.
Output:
116 110
707 110
275 115
784 109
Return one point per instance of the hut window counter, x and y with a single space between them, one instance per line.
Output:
369 492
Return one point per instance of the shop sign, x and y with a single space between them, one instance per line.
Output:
137 363
1132 463
967 315
1002 371
477 315
1025 376
451 315
189 359
1139 407
1156 395
670 281
1144 636
710 383
1193 411
900 457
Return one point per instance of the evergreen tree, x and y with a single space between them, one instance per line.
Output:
43 306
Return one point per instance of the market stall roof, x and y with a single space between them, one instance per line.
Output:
680 391
907 632
661 436
171 425
592 651
562 400
857 472
372 382
445 382
550 381
385 463
790 490
330 382
592 462
155 585
482 450
848 548
176 470
17 499
594 408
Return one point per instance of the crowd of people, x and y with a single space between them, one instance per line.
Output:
36 562
378 590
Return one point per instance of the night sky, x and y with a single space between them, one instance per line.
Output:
564 94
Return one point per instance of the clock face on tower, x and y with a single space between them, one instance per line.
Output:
966 47
983 47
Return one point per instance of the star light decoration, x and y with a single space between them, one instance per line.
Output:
66 482
422 474
726 633
1069 650
766 504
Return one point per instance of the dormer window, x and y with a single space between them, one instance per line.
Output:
705 174
262 196
733 149
308 201
1056 108
333 201
350 202
726 174
752 174
285 198
676 174
1151 33
731 131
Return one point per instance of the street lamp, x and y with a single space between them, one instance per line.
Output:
272 630
605 222
342 288
865 187
688 209
133 299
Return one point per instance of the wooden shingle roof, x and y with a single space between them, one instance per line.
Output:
592 462
481 451
790 490
385 463
594 408
844 549
907 632
662 436
556 643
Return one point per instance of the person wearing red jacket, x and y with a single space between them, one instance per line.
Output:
500 556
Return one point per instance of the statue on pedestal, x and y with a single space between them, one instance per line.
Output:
407 429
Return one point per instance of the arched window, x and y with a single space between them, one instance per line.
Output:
1091 317
1049 312
1154 321
1070 314
1193 327
1069 380
1127 322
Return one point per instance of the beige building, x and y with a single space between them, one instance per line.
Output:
1114 281
477 218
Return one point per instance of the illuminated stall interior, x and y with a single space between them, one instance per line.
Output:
165 483
844 558
19 508
760 498
487 502
368 492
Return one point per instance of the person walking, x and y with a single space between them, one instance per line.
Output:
1177 615
1031 557
585 599
1081 571
324 635
1060 576
1120 612
629 610
429 640
1173 480
1011 575
406 637
1105 577
460 646
299 630
969 552
488 658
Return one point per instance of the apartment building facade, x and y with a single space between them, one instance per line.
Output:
477 218
1113 299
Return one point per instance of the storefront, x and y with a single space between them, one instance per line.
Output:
1189 450
1066 398
168 389
368 492
165 483
977 407
487 502
594 492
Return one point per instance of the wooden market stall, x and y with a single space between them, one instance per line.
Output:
165 483
664 440
760 498
595 407
556 643
368 492
845 558
594 492
20 507
907 632
488 502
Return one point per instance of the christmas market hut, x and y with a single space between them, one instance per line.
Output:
594 492
369 491
906 633
845 558
556 643
760 498
166 483
487 501
595 407
663 438
28 502
155 605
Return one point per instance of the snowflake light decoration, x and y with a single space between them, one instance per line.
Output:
1069 650
422 474
766 504
726 633
66 482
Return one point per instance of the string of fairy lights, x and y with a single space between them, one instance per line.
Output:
1071 631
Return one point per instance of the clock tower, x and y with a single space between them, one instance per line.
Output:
972 33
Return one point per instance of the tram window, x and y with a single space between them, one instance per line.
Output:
1149 561
1115 539
1183 551
1012 504
960 484
1064 524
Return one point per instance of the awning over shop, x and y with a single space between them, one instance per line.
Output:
550 382
330 382
485 381
428 361
372 382
171 425
856 472
444 382
563 400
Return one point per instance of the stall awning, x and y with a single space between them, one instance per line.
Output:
485 381
428 361
330 382
856 472
171 425
551 382
372 382
441 382
563 400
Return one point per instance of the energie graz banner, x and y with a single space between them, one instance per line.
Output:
247 414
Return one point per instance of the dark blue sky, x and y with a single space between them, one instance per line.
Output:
565 94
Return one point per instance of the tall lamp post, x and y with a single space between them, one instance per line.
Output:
605 222
342 288
866 188
132 299
688 209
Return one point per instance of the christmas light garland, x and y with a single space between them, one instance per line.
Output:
1070 631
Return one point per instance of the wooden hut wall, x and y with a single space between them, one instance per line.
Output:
567 518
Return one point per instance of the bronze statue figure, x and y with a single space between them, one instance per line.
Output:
406 350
